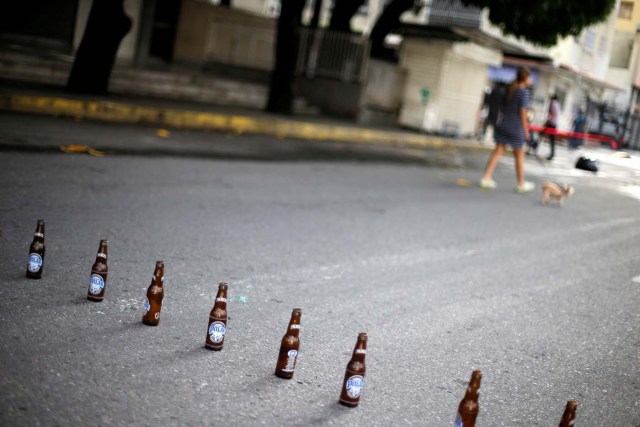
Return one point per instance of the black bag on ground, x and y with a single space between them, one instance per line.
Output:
587 164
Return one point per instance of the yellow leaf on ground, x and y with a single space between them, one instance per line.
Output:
163 133
72 148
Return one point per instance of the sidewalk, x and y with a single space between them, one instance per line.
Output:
54 101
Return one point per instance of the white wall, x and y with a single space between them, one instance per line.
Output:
421 59
456 75
208 33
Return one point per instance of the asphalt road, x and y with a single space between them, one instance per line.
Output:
444 278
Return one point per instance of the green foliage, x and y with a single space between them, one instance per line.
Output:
542 22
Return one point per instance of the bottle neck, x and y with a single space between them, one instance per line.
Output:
102 252
158 274
360 350
471 393
221 298
294 326
39 233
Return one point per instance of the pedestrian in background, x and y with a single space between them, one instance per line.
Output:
493 103
552 122
512 128
579 125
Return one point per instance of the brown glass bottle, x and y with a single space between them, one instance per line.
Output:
569 416
155 294
217 328
99 270
354 376
35 264
469 406
289 347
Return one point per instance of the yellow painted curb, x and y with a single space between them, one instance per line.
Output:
181 119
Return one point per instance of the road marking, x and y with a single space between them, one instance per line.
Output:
606 224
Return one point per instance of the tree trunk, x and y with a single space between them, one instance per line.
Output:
343 11
106 27
317 10
286 53
388 21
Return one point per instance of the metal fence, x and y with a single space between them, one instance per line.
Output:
632 139
451 13
332 54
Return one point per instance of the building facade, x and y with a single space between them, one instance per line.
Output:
448 57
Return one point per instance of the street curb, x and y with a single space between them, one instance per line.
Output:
183 119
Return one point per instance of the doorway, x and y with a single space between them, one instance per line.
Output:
158 28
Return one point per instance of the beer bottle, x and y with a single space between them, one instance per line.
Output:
469 407
155 293
99 270
35 263
217 320
354 376
569 416
289 347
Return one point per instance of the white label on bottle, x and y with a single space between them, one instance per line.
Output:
354 386
147 306
220 299
35 263
217 330
294 327
101 255
361 351
38 235
96 284
291 361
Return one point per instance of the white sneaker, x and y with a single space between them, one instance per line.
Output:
487 184
526 187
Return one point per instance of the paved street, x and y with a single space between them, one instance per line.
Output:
444 278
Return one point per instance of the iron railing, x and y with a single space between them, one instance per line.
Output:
632 137
332 54
451 13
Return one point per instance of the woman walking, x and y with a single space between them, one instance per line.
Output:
512 129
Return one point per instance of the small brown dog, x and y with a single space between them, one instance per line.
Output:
551 190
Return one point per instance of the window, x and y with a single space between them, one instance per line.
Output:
589 41
621 49
626 10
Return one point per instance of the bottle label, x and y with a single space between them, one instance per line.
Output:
291 361
147 306
38 234
458 422
96 284
101 255
294 326
354 386
35 263
220 299
361 351
216 331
